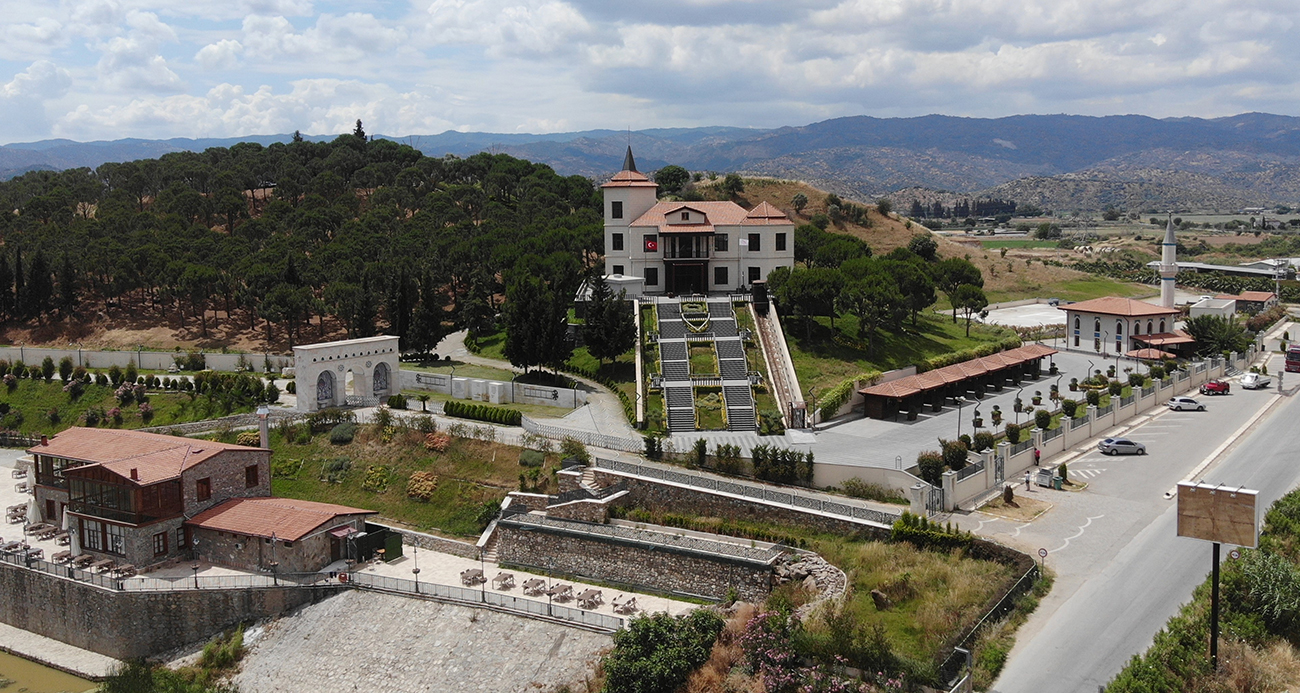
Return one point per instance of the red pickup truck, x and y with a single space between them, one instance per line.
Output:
1215 387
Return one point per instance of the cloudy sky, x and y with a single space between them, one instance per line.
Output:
104 69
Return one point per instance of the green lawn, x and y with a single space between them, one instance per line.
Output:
33 400
1075 290
827 358
470 474
461 369
534 410
703 360
708 409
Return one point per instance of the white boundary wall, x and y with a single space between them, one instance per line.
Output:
493 391
151 360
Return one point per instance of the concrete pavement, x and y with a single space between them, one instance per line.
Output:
1121 572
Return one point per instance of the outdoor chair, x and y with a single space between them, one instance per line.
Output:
62 557
83 560
504 581
534 586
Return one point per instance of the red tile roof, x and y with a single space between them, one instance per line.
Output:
765 215
1164 338
719 213
1257 296
1114 305
630 179
287 518
154 457
957 372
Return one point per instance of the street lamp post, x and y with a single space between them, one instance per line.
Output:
195 568
415 555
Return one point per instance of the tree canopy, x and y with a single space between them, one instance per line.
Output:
365 235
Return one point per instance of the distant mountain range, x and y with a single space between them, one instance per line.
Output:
1054 161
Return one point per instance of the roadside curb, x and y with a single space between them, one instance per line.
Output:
1229 442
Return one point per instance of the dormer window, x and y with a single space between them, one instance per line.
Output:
686 216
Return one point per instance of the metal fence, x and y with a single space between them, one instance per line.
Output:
1077 423
1110 406
151 584
1017 448
14 439
1125 401
970 470
599 440
1148 391
521 605
951 669
754 491
1051 433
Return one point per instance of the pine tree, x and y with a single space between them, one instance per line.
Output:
359 132
67 286
6 289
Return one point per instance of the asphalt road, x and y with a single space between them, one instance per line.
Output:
1121 571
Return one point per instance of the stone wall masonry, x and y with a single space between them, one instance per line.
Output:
432 542
657 496
226 473
587 510
127 625
698 574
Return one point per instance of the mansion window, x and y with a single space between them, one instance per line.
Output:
616 241
652 276
203 489
250 476
160 544
780 242
720 242
720 276
618 269
755 244
616 211
755 274
102 536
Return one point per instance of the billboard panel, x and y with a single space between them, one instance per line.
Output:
1223 514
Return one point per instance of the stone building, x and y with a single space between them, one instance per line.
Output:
278 534
688 247
125 495
354 372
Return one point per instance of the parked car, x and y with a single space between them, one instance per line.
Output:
1255 381
1215 387
1185 404
1121 446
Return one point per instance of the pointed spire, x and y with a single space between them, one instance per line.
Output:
629 164
1169 231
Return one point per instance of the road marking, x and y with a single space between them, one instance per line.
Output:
1200 468
1090 473
1077 534
1017 532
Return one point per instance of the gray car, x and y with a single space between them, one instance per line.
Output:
1121 446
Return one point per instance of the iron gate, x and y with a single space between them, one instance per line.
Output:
999 474
934 500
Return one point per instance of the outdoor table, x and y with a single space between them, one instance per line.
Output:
534 586
504 581
63 538
561 592
627 607
124 571
35 553
103 565
10 547
589 599
83 560
20 474
61 557
472 576
39 527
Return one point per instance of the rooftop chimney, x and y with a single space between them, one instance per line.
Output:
45 440
135 474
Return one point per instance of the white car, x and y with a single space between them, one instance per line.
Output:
1255 381
1185 404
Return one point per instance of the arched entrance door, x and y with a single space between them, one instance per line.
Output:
325 390
379 384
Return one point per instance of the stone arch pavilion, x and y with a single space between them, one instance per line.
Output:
322 370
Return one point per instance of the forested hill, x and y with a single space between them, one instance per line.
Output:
263 246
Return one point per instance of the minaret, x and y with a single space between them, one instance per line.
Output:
1168 265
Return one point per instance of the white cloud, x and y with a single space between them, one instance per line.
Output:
41 80
505 27
221 55
133 62
337 39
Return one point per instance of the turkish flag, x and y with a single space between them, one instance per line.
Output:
651 246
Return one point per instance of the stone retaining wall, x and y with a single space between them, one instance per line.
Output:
607 559
434 543
655 496
127 625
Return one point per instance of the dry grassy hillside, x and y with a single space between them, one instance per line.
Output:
1020 274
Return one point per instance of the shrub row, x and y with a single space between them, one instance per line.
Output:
782 465
629 409
950 358
482 412
925 534
835 398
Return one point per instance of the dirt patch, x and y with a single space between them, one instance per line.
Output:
1021 509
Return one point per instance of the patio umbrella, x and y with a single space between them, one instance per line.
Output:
74 545
65 520
33 515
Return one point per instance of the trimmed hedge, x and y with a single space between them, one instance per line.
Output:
924 534
482 412
838 395
629 409
950 358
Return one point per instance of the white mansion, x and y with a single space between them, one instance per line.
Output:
687 247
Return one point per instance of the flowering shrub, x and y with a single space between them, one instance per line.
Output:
125 394
769 651
116 415
437 442
11 381
146 412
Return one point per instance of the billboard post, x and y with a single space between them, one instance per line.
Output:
1221 515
